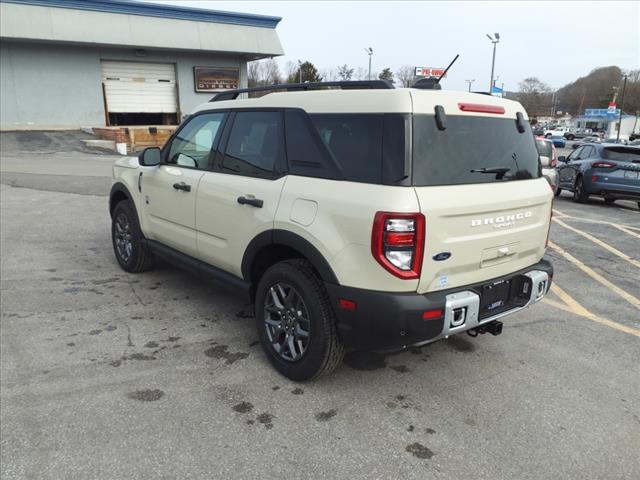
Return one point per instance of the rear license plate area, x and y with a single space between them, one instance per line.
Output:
505 294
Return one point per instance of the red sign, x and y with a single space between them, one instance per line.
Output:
429 71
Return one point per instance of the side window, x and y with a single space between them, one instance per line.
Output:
355 142
255 145
587 152
574 155
192 146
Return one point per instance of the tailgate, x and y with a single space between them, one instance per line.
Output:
478 232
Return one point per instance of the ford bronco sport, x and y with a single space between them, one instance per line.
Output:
364 217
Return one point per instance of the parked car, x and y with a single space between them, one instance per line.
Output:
548 161
369 219
558 141
538 130
580 133
619 141
587 140
607 170
555 132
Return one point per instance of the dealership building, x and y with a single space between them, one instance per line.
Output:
98 63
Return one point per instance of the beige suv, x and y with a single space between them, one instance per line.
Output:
363 217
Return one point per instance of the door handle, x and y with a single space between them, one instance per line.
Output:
182 186
254 202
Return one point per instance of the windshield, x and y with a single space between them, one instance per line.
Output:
472 150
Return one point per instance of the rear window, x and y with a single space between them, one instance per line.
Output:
544 148
621 154
470 144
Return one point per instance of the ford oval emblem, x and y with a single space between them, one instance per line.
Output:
439 257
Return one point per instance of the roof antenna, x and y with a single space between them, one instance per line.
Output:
447 69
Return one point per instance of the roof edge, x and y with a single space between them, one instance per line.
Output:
158 10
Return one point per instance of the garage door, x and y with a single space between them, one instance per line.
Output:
139 87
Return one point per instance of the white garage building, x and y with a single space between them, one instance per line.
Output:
72 63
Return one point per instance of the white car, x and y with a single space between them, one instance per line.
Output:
555 132
360 218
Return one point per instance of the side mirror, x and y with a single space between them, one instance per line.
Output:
149 157
562 159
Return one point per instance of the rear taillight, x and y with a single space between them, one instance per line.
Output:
397 243
554 162
604 164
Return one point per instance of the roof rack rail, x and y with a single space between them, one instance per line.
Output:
292 87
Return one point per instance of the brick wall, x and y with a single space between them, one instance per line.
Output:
118 135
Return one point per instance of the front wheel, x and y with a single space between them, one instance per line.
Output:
579 193
609 200
558 192
128 241
296 324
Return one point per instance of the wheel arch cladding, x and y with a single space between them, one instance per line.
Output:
273 246
118 193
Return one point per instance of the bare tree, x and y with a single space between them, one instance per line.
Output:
406 75
254 73
271 72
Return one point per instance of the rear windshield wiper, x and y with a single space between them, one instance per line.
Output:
499 171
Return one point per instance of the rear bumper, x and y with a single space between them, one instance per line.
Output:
600 184
392 321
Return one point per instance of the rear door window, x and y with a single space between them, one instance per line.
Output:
472 149
256 144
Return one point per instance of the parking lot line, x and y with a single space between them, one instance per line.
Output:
599 242
596 276
573 306
626 230
619 226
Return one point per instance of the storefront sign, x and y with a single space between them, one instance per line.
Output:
212 79
429 71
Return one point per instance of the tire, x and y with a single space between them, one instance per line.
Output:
548 135
609 200
310 312
558 192
638 205
127 239
579 194
570 137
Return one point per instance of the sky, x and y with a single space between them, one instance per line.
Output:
555 41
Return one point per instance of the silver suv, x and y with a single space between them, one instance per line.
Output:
363 217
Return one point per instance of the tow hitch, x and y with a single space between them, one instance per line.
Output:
494 328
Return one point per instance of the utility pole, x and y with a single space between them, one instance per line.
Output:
624 85
469 82
370 53
300 70
495 41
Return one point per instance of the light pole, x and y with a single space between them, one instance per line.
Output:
300 70
624 86
469 82
495 41
369 52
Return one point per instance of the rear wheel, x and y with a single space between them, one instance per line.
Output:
579 194
128 241
609 200
296 324
558 191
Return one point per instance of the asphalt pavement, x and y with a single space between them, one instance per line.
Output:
108 375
